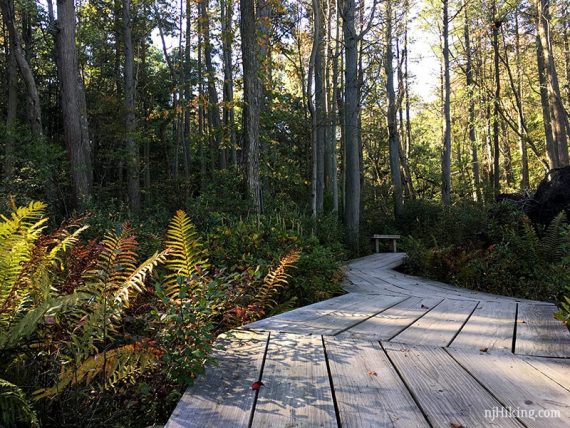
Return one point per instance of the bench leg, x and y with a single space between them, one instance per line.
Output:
377 245
394 248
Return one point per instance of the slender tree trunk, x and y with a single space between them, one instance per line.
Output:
213 107
75 128
393 136
446 155
229 111
496 103
351 114
252 97
320 103
470 99
132 147
558 118
525 182
11 114
187 79
334 112
35 112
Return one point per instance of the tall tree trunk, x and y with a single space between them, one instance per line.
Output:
446 155
525 181
320 103
351 114
252 96
228 95
333 112
35 112
496 102
132 147
187 81
213 107
558 116
471 119
11 114
393 136
75 128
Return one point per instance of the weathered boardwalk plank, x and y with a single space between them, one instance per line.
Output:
368 390
539 334
555 368
519 386
296 391
223 395
392 321
429 372
491 326
440 325
448 395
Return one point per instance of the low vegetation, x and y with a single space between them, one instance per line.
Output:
90 324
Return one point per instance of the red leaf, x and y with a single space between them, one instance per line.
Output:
256 386
454 425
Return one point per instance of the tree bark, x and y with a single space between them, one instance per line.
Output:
228 87
470 99
11 114
496 102
252 96
446 154
75 128
131 144
320 103
351 114
35 112
393 135
558 118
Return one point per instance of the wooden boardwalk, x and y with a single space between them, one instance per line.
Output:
395 351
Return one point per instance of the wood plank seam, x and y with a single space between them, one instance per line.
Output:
333 393
547 375
410 390
371 316
413 322
515 329
483 386
463 325
250 423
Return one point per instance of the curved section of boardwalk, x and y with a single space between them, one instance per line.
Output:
395 351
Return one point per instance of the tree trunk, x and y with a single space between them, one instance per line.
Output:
320 103
11 114
393 136
187 79
228 95
471 119
496 103
132 148
558 117
213 107
252 96
525 182
35 112
351 114
446 155
333 112
75 128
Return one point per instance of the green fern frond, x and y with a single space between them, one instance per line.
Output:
113 366
15 409
187 258
552 241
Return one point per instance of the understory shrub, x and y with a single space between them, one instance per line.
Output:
496 250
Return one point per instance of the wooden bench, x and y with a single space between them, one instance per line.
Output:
393 238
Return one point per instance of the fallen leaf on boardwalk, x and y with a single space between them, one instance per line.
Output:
425 307
484 349
256 386
372 373
454 425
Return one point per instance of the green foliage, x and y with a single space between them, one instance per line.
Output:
497 250
14 406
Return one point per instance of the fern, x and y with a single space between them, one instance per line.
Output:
275 280
552 243
15 409
187 258
115 365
